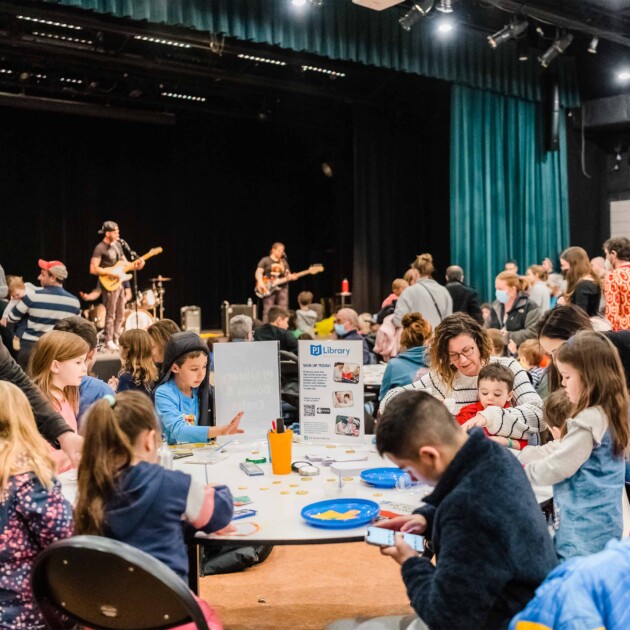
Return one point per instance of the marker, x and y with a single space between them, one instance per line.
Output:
280 423
273 426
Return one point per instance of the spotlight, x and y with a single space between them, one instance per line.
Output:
561 43
298 3
445 6
510 31
445 26
624 75
523 49
418 10
592 47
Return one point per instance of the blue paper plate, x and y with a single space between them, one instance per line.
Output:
382 477
367 512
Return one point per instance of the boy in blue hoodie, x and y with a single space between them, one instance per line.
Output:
182 396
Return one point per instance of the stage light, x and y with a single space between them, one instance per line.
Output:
623 75
523 48
561 43
64 38
331 73
445 6
592 47
445 26
298 3
510 31
158 40
261 59
184 97
49 22
417 11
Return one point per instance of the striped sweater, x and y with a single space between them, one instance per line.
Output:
521 421
43 309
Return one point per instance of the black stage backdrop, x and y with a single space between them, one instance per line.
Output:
216 191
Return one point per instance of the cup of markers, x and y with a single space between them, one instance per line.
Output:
280 447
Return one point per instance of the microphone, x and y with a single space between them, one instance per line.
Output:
124 243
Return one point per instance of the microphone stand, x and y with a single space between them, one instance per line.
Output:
134 256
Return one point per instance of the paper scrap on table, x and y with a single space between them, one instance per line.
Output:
333 515
206 459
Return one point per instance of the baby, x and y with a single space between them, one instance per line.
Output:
495 386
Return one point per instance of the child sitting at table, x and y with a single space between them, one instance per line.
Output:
124 494
33 512
57 365
138 370
496 389
182 395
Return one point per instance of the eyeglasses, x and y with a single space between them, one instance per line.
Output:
467 352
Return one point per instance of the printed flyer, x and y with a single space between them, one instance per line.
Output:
331 391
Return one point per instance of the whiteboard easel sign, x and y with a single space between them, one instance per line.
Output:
331 391
247 378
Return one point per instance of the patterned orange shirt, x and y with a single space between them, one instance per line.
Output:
617 294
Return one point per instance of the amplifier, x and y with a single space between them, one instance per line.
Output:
231 310
191 318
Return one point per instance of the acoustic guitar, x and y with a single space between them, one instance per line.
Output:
116 275
274 284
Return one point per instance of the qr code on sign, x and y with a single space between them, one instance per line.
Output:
309 410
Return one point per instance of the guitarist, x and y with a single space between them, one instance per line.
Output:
274 267
106 254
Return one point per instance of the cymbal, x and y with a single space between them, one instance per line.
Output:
160 279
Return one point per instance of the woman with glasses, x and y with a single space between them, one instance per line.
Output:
460 348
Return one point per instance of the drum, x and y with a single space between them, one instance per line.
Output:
96 314
143 319
147 299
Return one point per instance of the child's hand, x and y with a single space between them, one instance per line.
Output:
113 383
512 347
401 551
3 322
477 421
410 523
232 427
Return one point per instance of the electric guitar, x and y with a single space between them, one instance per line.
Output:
273 284
116 275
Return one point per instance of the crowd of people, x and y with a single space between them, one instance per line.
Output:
483 401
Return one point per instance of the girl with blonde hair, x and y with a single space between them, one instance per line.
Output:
33 512
57 365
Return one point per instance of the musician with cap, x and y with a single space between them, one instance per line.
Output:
44 307
105 256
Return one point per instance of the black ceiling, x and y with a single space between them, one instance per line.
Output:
108 63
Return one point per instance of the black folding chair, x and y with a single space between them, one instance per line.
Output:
109 585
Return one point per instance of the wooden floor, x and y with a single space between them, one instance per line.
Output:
307 587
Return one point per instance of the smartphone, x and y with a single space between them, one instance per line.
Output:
251 469
385 538
243 513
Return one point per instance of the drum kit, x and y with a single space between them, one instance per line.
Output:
148 303
139 314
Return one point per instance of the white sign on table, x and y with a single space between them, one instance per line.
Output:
331 391
247 378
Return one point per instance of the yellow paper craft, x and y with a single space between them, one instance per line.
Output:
333 515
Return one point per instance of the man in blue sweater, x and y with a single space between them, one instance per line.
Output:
482 522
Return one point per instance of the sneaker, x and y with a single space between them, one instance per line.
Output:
111 345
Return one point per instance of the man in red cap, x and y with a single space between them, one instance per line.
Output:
44 307
106 254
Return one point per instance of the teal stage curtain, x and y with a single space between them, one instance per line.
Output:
347 32
509 198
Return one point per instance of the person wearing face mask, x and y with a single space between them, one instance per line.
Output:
513 312
617 282
347 328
